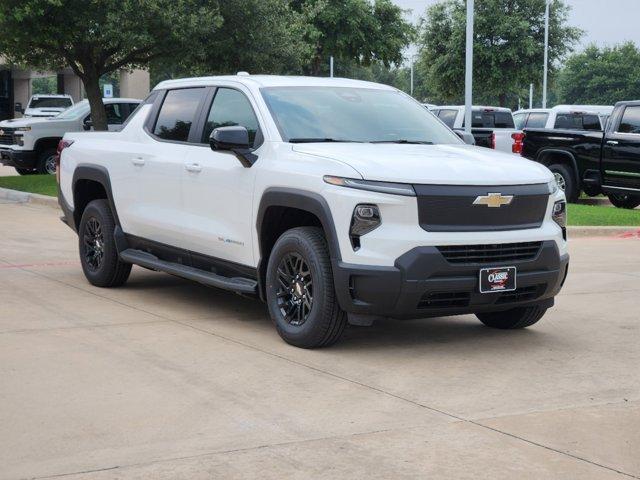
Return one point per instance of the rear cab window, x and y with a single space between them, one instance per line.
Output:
177 113
537 120
491 119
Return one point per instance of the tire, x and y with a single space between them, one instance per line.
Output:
621 200
566 181
298 257
25 171
47 162
98 254
521 317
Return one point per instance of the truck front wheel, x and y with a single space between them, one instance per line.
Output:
566 181
622 200
520 317
300 291
47 162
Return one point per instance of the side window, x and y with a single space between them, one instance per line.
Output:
630 122
115 113
230 108
591 122
177 113
448 117
537 120
520 119
568 121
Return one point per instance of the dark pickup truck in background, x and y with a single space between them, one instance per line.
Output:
594 162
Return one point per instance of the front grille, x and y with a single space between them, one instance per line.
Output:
451 208
490 254
522 294
6 137
444 300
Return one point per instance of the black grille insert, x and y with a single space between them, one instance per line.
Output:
444 300
6 136
491 253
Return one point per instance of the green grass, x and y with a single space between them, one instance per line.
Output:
42 184
592 215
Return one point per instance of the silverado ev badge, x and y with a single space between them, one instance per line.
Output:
493 200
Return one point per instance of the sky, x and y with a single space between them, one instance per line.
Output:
605 22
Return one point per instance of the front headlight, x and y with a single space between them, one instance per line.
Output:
372 186
23 129
559 213
366 218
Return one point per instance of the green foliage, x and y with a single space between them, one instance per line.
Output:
97 37
600 215
359 31
258 36
508 48
42 85
601 76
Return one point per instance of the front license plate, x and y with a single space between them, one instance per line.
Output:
501 279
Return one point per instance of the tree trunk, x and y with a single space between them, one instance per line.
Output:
502 98
94 95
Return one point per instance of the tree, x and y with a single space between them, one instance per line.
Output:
353 30
601 76
259 36
98 37
508 48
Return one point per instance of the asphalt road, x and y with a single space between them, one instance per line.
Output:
165 379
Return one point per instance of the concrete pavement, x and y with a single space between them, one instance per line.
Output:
167 379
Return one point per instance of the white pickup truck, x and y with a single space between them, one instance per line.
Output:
565 117
492 127
29 144
334 201
46 105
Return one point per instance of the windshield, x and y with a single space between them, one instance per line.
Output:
49 102
78 110
339 114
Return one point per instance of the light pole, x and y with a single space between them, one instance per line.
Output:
546 53
331 66
530 95
468 65
411 87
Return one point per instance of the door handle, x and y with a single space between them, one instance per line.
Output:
612 142
193 167
138 161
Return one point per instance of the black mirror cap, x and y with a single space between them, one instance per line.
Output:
229 138
87 125
466 137
18 107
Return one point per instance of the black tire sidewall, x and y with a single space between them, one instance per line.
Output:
99 209
25 171
627 201
41 168
294 241
571 189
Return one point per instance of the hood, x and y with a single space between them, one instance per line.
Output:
22 122
432 164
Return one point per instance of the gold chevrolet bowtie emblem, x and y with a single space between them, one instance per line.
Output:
493 200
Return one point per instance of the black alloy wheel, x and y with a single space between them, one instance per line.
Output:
295 289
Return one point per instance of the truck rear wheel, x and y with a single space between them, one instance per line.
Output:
98 253
520 317
300 291
622 200
566 181
47 162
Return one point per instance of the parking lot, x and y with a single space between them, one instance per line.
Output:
168 379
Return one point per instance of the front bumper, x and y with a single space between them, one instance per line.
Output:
26 159
422 283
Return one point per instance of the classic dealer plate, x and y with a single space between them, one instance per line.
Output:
502 279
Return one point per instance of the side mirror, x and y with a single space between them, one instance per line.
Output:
18 107
87 125
234 139
466 137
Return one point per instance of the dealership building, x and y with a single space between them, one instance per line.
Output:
16 86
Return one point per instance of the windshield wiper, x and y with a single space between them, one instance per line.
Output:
412 142
321 140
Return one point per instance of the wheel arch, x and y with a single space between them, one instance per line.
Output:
91 182
549 156
46 142
284 208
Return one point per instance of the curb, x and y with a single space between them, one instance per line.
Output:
26 197
604 231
